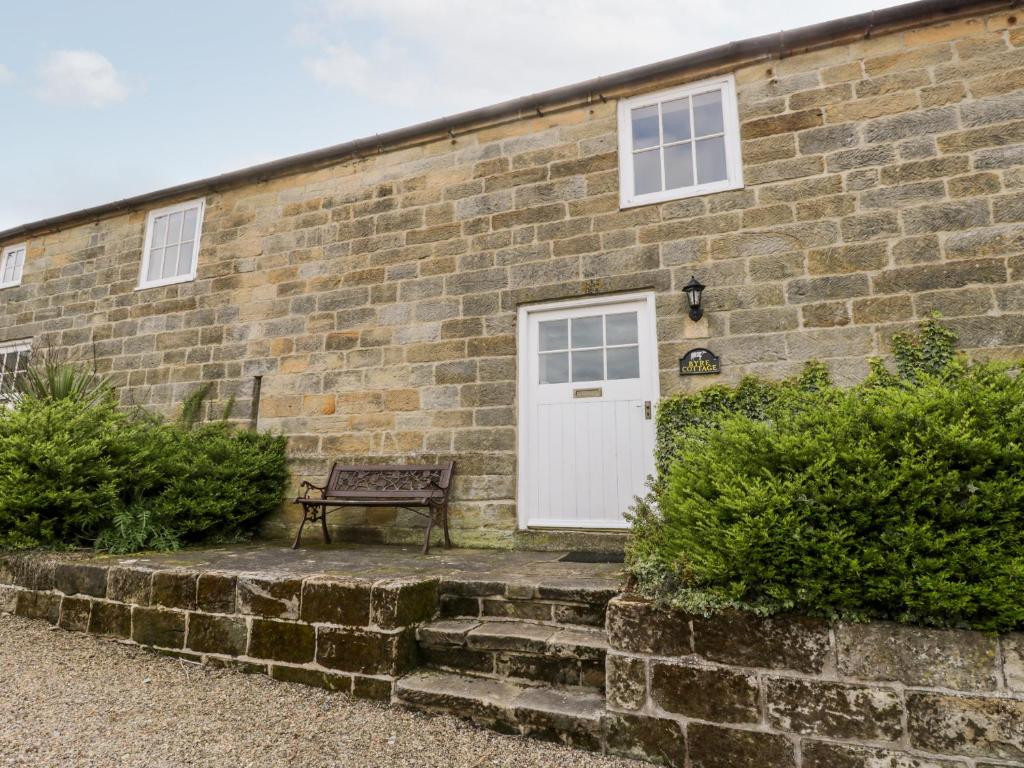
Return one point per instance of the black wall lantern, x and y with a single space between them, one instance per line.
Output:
693 290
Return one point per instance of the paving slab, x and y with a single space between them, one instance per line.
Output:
460 571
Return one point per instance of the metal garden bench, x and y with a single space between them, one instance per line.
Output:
421 488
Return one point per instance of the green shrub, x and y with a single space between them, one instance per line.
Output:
84 472
901 498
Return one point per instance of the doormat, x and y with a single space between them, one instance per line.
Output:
593 557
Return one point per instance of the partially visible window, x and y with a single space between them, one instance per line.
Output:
12 261
172 244
679 143
13 361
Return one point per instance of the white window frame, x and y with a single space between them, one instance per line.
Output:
7 347
730 120
188 277
7 253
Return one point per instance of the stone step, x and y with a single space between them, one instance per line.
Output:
571 602
558 656
571 717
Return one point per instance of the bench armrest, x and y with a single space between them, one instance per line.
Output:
307 486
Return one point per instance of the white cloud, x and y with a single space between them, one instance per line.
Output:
80 78
6 75
457 54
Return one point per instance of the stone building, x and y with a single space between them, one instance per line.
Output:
505 287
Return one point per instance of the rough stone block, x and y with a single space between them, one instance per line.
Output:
838 710
38 605
273 598
216 634
175 589
1013 660
779 642
74 614
530 610
457 658
966 725
637 625
646 738
453 606
713 694
236 665
282 641
155 626
821 754
626 683
589 615
8 599
215 593
934 658
330 601
711 746
110 619
365 651
397 603
80 579
133 586
541 668
372 688
317 678
929 277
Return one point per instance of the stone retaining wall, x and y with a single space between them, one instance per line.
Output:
735 691
341 634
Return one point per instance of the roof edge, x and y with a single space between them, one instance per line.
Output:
776 44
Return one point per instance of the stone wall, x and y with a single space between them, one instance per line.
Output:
377 297
345 635
735 691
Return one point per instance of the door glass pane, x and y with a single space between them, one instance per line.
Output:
554 368
621 328
707 113
624 363
675 120
554 334
159 232
588 365
678 166
586 332
647 172
711 160
645 127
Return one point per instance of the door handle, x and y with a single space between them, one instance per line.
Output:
647 409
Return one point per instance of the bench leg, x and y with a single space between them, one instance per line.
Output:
444 522
298 535
430 527
323 524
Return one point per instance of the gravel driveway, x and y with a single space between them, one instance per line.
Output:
69 699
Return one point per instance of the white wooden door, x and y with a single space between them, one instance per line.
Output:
588 383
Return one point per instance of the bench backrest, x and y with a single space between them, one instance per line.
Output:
389 481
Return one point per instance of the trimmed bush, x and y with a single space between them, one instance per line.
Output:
900 499
79 472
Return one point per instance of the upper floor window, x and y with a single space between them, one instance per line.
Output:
679 143
13 361
172 244
12 261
